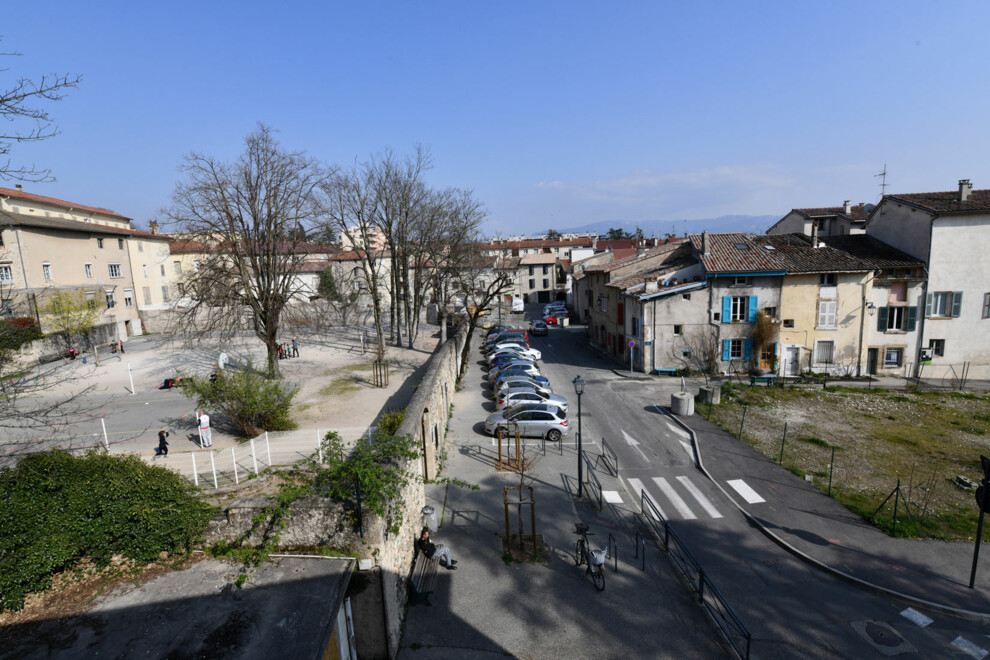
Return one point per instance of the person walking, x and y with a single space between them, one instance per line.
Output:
430 550
162 449
121 346
295 348
205 432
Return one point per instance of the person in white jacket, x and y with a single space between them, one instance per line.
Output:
205 433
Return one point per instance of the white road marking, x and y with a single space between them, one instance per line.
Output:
698 495
917 617
612 496
635 445
969 647
687 448
638 489
747 493
675 499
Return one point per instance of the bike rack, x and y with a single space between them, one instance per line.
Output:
640 541
613 549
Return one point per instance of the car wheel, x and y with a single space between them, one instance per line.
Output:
553 435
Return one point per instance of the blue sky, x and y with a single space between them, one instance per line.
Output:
556 114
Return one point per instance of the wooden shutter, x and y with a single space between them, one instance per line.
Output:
928 306
956 303
912 319
748 348
753 308
726 310
882 319
726 350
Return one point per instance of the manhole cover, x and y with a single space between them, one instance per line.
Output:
882 637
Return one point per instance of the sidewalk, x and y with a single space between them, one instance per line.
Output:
489 608
816 528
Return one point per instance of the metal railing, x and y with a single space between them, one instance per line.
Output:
609 458
734 630
590 478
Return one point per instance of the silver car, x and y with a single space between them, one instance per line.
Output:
511 397
534 420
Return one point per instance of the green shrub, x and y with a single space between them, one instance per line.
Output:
252 401
59 508
389 422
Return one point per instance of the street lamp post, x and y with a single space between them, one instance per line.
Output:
872 309
579 390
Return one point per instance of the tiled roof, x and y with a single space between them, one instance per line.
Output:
565 264
20 194
44 222
947 202
838 254
310 266
871 252
856 212
536 259
733 253
609 266
186 246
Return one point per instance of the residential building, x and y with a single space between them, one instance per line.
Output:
830 221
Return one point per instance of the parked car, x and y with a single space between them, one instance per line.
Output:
541 420
554 318
505 337
510 397
555 307
538 380
539 329
515 369
518 343
530 353
507 333
495 330
521 381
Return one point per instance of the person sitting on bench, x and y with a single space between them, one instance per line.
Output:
429 550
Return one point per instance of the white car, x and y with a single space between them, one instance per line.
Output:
516 395
554 307
530 353
522 381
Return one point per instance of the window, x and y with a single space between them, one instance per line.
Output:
770 312
91 299
892 357
128 298
602 304
7 309
163 270
99 243
827 313
943 303
89 271
986 305
144 268
737 349
111 303
738 312
546 284
740 280
532 284
6 274
788 323
828 279
824 351
677 330
140 247
120 244
146 292
897 319
178 267
1 239
686 354
164 293
114 270
46 268
937 346
635 326
196 266
685 296
545 271
532 270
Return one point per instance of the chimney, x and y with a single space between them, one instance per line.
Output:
814 233
847 206
153 226
965 188
19 187
704 244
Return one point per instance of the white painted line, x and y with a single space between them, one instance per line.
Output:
675 499
612 496
969 647
698 495
917 617
747 493
687 448
629 439
638 489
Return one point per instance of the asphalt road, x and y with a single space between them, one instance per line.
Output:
791 609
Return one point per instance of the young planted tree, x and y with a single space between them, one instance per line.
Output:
482 285
253 213
340 298
70 314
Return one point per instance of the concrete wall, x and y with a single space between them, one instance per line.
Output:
690 315
902 227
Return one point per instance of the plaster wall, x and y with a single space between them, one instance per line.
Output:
902 227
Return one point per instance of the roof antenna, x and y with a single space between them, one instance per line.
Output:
883 180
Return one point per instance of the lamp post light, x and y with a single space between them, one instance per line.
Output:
579 390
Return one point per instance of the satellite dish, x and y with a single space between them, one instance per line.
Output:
868 208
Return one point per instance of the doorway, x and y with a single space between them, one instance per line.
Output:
793 360
872 355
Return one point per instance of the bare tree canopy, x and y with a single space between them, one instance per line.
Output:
252 216
22 105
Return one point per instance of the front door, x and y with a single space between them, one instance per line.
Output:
768 357
793 360
872 355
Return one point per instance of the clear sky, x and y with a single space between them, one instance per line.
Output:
556 114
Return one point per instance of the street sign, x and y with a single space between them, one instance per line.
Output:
632 344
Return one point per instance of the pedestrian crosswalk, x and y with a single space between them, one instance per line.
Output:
679 496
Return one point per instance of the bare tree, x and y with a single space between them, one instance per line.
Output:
252 213
698 349
481 285
22 105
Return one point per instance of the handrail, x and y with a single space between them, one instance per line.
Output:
725 618
590 472
608 454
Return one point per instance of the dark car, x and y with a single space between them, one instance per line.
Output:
540 329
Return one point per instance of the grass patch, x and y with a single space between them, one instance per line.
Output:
340 386
818 442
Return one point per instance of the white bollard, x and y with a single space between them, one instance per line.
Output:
106 441
254 458
269 448
213 464
131 376
195 473
319 449
234 459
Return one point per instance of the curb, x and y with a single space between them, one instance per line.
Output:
982 617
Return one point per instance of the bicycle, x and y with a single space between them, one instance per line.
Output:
594 558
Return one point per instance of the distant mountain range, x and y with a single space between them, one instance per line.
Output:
747 224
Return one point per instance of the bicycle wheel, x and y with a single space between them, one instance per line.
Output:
598 575
579 553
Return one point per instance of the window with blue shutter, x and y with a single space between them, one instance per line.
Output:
748 348
726 310
753 308
726 349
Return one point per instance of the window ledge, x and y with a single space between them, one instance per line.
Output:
895 332
940 318
826 327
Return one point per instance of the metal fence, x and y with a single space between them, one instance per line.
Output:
591 480
735 632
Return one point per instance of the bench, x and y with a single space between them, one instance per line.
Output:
769 379
666 371
422 577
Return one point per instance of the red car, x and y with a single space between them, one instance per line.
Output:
554 318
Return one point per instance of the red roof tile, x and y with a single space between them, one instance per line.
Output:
947 202
733 253
20 194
